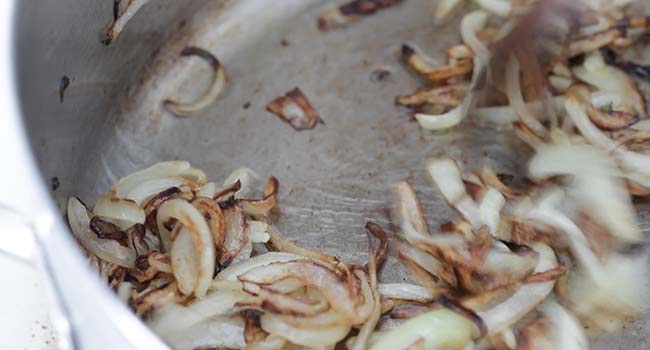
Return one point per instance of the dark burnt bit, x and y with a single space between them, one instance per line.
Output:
107 230
366 7
379 75
203 54
54 183
169 224
142 262
285 43
636 70
64 83
162 197
448 226
407 51
227 203
246 105
506 179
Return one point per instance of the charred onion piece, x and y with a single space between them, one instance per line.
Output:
218 84
264 205
451 95
352 11
121 16
425 67
106 230
295 109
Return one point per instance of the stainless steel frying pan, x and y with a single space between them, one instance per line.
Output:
111 122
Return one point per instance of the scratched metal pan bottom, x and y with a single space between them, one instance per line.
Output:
333 178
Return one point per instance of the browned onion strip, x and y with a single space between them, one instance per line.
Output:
106 230
312 274
213 213
226 193
351 11
407 311
295 109
606 120
218 84
422 276
281 303
450 95
377 255
160 198
264 205
425 67
236 234
278 244
121 17
161 262
407 214
491 179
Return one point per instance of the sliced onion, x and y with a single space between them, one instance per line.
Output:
123 212
611 80
448 179
470 24
264 205
405 291
277 243
305 337
232 272
217 85
597 187
281 303
213 213
257 232
490 209
312 274
108 250
408 213
208 190
449 95
192 252
526 298
161 170
425 66
236 234
439 329
430 264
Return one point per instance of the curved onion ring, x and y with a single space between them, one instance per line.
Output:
192 252
232 272
312 274
219 80
108 250
124 212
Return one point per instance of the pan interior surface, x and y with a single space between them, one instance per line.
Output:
333 178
